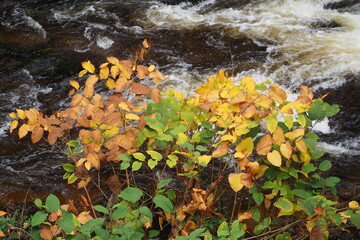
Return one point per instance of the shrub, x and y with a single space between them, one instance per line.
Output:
238 161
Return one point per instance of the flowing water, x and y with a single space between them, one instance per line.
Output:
311 42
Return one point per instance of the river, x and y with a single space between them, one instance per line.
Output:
310 42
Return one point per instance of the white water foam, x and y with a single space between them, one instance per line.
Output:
300 51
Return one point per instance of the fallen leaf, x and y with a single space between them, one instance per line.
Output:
37 134
155 95
88 66
139 89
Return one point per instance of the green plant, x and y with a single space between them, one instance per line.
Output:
244 140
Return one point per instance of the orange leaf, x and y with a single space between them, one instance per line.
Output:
286 150
142 71
104 72
264 145
221 150
23 130
155 95
37 134
110 83
190 225
84 217
94 159
53 217
114 70
88 90
301 145
88 66
278 136
246 180
139 88
157 76
274 158
46 232
305 91
2 213
2 234
247 109
145 43
112 60
277 94
244 215
82 73
121 84
14 124
74 84
76 100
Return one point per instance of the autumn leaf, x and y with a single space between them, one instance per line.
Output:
277 94
140 89
272 122
94 159
246 180
244 215
316 233
88 66
14 124
112 60
264 145
156 76
278 136
145 43
13 115
114 71
110 83
2 213
132 116
305 91
301 145
104 72
221 150
155 95
151 68
274 158
82 73
37 134
245 148
286 150
23 130
353 205
204 159
74 84
142 71
21 114
235 181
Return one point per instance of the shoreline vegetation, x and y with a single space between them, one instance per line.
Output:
236 161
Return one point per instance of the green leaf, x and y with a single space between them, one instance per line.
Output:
136 165
122 210
67 223
223 229
309 204
164 203
262 226
72 178
317 110
258 198
332 110
139 156
256 213
309 167
146 212
284 204
163 183
69 167
302 193
354 217
154 155
272 122
171 162
171 194
91 226
124 165
131 194
152 163
283 236
332 181
179 129
67 175
38 218
73 143
101 209
164 137
153 233
38 202
154 124
325 165
52 203
201 148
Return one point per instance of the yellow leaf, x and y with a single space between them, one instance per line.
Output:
274 158
181 139
289 121
204 159
248 85
13 115
245 147
132 116
75 84
94 159
124 106
264 145
145 43
2 213
151 68
262 170
110 83
13 125
278 136
297 133
277 94
287 108
104 72
82 73
228 137
21 114
272 122
286 150
301 145
23 130
2 234
112 60
114 70
301 120
88 66
353 205
111 132
87 165
235 181
304 157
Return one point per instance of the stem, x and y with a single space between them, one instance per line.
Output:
273 231
91 204
234 205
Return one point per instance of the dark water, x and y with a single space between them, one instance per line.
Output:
43 42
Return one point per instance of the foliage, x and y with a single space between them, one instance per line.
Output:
243 140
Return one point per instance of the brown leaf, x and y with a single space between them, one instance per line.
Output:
37 134
155 95
316 233
247 109
76 100
244 215
88 90
84 217
53 217
157 76
121 84
142 71
254 167
278 136
190 225
98 101
114 184
46 232
94 159
139 89
305 91
319 211
264 145
246 180
221 150
277 94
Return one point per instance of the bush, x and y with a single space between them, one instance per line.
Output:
238 161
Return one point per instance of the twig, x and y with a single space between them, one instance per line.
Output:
91 204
